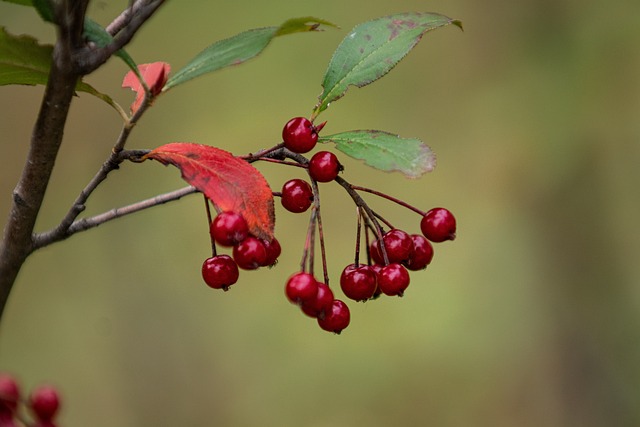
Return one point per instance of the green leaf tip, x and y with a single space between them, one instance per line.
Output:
374 48
303 24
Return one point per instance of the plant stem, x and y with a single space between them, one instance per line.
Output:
388 197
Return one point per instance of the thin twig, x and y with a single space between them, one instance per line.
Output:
44 239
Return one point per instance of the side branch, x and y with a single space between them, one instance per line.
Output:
47 238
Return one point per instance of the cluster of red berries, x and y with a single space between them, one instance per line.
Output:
389 255
43 403
230 229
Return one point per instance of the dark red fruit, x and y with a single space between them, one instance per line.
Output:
393 279
273 251
229 229
9 393
300 135
358 283
322 302
44 402
250 253
297 195
220 272
438 225
375 252
336 318
398 244
301 288
324 166
421 255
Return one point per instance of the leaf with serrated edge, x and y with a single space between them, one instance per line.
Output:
240 48
385 151
372 49
231 183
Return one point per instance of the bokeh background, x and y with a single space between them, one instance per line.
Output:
530 318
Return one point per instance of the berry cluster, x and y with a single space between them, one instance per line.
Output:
43 404
249 252
390 255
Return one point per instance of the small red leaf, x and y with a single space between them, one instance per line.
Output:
155 76
229 182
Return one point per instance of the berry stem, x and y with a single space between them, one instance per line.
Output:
210 220
388 197
252 157
316 209
358 232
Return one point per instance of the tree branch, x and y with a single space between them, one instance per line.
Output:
45 142
92 58
44 239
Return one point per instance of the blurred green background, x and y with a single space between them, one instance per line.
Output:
530 318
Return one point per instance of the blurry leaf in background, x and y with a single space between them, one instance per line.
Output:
240 48
25 62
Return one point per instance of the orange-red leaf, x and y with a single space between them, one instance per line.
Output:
231 183
155 76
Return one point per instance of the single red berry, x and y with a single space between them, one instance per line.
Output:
9 394
393 279
398 245
376 269
421 255
336 318
358 283
229 229
297 195
324 166
322 302
250 254
220 272
438 225
301 288
300 135
375 252
45 402
273 251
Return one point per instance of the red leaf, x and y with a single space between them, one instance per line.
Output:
231 183
155 76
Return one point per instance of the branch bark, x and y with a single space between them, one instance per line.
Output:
45 141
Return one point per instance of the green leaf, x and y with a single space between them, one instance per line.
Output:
25 62
385 151
372 49
240 48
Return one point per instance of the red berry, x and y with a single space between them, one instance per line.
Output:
229 229
44 401
393 279
398 245
421 255
336 318
220 272
438 225
324 166
301 288
273 251
322 302
297 195
250 254
9 394
299 135
358 283
375 252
